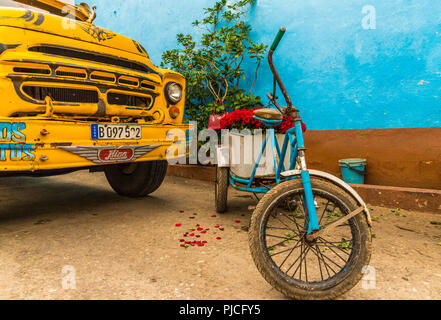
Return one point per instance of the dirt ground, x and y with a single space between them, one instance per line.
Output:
130 248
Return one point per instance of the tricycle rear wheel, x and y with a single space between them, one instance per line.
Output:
137 179
221 189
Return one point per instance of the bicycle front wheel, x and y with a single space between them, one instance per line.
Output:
324 268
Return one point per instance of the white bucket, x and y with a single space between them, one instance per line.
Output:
244 150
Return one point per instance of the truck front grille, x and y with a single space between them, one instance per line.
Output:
128 100
62 94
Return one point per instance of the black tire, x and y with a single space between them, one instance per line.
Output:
221 189
271 207
137 179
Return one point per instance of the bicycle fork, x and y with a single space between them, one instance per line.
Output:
312 224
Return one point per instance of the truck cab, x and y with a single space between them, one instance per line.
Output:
76 96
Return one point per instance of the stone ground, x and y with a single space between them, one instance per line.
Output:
129 248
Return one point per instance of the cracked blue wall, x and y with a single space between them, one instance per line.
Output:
339 74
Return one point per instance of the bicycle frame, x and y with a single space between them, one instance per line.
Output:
293 138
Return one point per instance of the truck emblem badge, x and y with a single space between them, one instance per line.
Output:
111 154
97 33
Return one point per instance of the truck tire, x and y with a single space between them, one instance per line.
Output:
137 179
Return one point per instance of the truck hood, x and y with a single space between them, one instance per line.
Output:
69 28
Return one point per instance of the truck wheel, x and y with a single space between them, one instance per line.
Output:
221 189
137 179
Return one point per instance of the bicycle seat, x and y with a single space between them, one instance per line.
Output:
268 114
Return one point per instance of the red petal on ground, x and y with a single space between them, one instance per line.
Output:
181 211
178 224
237 221
191 234
216 227
182 240
214 216
221 229
198 236
183 245
191 217
200 229
204 232
197 225
218 238
204 242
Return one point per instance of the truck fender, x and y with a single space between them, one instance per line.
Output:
336 181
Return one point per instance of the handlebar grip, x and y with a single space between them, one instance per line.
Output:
278 38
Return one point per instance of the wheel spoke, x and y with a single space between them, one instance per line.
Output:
275 254
320 265
330 244
301 262
284 224
293 264
306 271
323 214
319 253
292 250
298 226
330 260
278 244
276 228
279 237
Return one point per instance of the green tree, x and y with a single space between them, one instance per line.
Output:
213 67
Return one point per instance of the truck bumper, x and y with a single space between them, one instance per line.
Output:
30 145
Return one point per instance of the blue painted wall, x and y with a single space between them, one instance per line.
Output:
341 75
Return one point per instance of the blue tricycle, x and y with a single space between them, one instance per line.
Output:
310 234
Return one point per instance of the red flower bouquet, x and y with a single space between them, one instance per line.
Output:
244 119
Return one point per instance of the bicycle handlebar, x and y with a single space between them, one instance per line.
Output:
277 39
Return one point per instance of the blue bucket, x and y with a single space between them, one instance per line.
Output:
353 170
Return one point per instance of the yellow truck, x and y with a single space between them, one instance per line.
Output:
75 96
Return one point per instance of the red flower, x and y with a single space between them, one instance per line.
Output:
244 119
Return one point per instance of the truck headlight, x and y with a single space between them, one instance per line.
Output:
173 92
